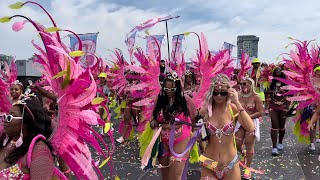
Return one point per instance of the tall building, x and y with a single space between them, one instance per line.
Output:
4 58
247 44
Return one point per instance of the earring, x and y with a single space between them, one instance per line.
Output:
5 141
19 142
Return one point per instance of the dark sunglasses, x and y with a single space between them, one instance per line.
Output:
223 93
170 89
243 84
8 118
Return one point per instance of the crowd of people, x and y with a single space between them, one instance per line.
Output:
209 112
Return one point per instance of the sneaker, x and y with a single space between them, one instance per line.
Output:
318 140
246 174
120 140
280 147
275 151
312 147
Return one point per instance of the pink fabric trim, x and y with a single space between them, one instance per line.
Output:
185 132
147 154
30 150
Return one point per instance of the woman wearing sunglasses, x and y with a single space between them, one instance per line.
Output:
253 105
26 121
220 159
172 105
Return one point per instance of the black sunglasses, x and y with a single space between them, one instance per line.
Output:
170 89
223 93
243 84
8 118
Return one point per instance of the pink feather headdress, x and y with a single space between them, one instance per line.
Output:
148 88
8 77
75 89
300 85
210 66
266 75
245 66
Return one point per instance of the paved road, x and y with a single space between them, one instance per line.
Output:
296 162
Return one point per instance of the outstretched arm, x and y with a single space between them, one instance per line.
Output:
259 108
46 93
315 118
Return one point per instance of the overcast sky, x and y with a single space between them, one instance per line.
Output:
221 20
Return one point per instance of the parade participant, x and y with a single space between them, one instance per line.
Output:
26 122
171 105
255 75
16 90
130 113
278 106
75 90
220 159
162 71
265 81
253 105
190 85
314 116
102 88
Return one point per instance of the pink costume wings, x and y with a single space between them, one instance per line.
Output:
301 84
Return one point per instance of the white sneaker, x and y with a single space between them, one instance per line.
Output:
275 151
312 147
318 140
280 147
120 140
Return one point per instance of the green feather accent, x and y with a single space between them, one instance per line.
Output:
194 154
145 139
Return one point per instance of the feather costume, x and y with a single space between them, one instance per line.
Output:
75 89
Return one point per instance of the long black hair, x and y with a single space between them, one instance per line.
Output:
274 81
37 123
179 105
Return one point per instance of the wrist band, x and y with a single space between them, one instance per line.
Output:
241 110
67 171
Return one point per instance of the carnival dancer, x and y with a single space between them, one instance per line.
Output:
75 90
25 121
278 107
255 75
216 99
252 103
315 117
220 159
265 81
170 106
190 84
9 76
